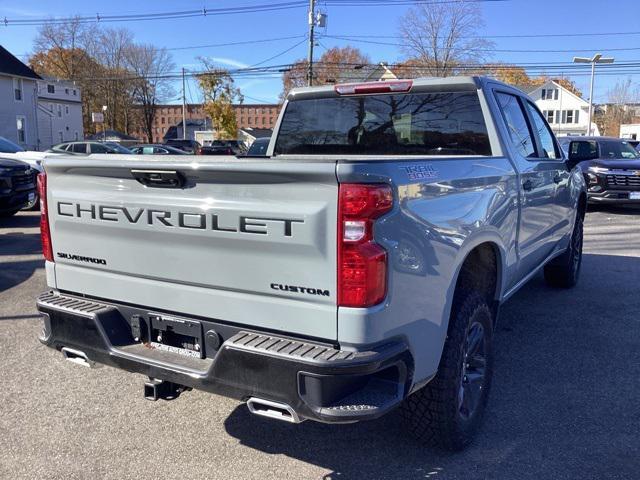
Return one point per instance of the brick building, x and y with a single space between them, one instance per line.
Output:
254 115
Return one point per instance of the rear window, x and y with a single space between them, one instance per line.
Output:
447 123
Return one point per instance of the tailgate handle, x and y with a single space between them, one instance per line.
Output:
159 178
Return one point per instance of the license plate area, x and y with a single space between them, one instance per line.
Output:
176 335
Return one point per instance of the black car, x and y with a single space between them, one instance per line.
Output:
611 167
235 145
149 149
216 150
17 186
259 147
189 146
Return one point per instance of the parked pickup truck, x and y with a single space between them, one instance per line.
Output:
358 268
17 186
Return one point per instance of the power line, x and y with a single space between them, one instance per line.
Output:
212 12
243 42
279 54
525 35
492 50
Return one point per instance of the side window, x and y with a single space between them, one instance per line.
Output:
583 149
160 151
517 125
79 148
549 147
98 148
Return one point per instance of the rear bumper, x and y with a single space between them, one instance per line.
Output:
318 381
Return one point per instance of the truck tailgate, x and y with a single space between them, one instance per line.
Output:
249 242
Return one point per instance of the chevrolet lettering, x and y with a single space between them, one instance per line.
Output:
190 220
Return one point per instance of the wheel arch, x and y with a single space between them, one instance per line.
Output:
481 269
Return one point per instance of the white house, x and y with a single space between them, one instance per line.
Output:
59 112
630 131
18 101
567 113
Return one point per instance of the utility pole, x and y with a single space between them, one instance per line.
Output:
597 58
312 26
184 108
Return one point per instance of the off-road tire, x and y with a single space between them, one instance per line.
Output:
433 414
564 271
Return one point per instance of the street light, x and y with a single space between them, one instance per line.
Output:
597 58
104 125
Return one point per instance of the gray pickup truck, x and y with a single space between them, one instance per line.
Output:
357 268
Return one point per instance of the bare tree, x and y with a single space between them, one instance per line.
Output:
151 68
439 36
619 108
110 48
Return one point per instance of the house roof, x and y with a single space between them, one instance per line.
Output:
195 122
258 132
110 135
10 65
527 88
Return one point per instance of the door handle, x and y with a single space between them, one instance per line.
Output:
159 178
527 185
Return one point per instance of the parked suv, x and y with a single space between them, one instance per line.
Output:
611 167
17 186
359 269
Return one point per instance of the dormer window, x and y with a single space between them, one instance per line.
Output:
51 88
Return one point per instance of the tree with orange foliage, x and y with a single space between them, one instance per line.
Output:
335 65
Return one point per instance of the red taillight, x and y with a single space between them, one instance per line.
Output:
362 263
45 234
373 87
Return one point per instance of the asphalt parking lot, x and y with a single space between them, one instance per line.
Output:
565 401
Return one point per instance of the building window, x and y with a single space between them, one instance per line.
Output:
60 137
59 110
576 117
549 94
51 107
75 135
21 127
17 89
75 92
51 88
66 91
66 109
570 116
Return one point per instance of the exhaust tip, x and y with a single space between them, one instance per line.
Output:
275 410
77 357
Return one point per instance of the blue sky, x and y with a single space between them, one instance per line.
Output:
513 17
